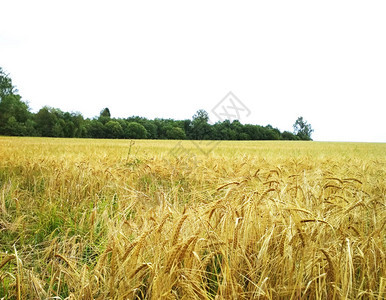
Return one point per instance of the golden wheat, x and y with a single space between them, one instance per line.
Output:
87 219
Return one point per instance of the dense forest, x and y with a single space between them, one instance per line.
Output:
16 119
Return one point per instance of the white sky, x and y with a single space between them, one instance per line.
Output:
324 60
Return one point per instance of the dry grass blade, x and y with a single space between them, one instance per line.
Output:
6 260
178 229
227 184
331 268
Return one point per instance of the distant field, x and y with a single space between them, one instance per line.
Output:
116 219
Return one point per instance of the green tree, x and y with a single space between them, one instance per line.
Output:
105 113
289 136
31 128
270 133
45 120
254 131
237 128
113 130
15 128
14 113
74 124
12 106
104 116
69 128
151 129
175 133
95 129
223 131
57 129
302 129
201 116
135 130
6 87
200 128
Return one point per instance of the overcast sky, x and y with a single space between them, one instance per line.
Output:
324 60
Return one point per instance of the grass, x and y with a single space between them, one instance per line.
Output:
109 219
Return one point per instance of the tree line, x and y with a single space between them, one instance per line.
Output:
16 119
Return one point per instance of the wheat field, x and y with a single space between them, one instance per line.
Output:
120 219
